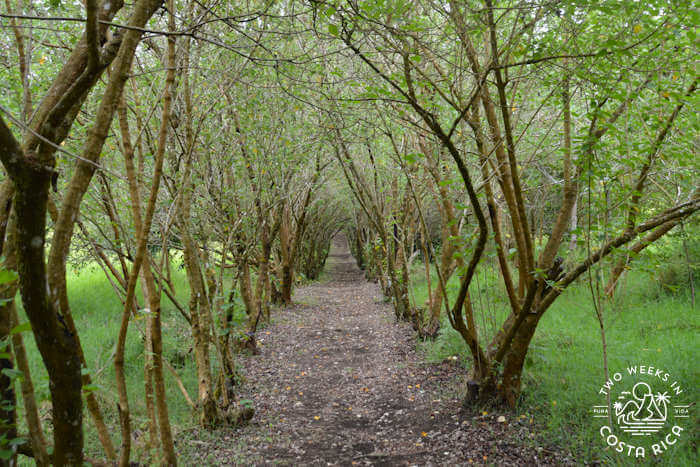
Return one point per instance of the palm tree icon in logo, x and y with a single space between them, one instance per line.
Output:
645 414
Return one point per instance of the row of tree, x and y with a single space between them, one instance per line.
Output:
139 144
545 112
539 139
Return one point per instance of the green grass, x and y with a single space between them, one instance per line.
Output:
645 325
97 313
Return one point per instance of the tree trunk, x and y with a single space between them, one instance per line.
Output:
9 311
287 280
56 343
199 313
149 395
246 287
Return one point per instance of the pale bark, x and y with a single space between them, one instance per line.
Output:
141 256
199 302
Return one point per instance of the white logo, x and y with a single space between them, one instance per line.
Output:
647 411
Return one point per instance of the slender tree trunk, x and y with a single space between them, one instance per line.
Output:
262 286
198 305
619 267
149 396
142 256
286 275
247 288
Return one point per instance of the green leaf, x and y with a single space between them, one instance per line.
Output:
410 158
333 29
7 276
26 326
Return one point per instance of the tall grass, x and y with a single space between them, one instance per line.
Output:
646 324
97 312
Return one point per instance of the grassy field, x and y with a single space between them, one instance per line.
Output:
646 324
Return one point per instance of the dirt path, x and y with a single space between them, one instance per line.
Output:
338 382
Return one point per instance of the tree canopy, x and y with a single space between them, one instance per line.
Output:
550 141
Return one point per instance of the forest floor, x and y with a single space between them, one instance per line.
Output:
339 382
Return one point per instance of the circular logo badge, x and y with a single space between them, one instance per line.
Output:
642 411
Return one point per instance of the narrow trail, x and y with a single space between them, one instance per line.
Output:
338 382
